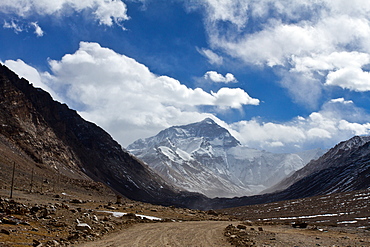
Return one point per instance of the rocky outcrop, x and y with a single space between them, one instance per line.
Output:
23 128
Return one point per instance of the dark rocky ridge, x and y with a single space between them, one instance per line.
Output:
344 168
50 133
348 161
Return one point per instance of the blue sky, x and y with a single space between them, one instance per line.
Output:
281 75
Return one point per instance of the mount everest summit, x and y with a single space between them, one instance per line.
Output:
204 157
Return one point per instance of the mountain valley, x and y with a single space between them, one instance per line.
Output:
67 169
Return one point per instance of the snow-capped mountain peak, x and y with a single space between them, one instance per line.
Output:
201 132
204 157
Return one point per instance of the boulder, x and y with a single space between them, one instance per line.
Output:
83 227
241 227
299 225
36 243
95 218
212 212
5 231
76 201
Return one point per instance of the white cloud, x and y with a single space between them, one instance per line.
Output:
22 27
356 128
13 25
233 98
23 70
341 100
38 31
320 41
304 88
231 11
351 78
212 57
106 12
128 100
216 77
330 62
338 120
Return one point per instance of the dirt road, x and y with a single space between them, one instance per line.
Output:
190 233
211 233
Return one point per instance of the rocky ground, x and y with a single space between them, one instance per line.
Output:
341 219
55 218
257 234
61 219
58 211
350 209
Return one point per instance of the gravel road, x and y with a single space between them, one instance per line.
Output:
190 233
211 233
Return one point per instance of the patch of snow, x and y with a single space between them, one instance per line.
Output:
168 152
347 222
305 216
362 198
364 218
184 155
119 214
217 142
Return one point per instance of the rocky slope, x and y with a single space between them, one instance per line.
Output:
204 157
47 133
344 168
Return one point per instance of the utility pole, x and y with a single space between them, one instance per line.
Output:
31 181
11 187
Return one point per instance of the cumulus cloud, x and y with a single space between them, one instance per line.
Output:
124 96
320 41
28 72
24 70
233 98
106 12
338 120
351 78
129 101
216 77
330 61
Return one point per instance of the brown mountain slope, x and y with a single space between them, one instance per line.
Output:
48 133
